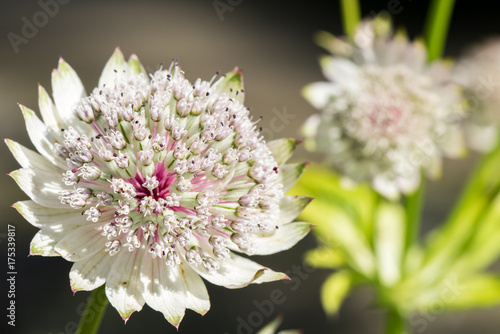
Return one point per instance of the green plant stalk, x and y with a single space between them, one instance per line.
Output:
482 187
478 182
350 16
396 323
413 207
94 311
436 30
436 27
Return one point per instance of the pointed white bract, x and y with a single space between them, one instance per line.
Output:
150 182
385 113
479 73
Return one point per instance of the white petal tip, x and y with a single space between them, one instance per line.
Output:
125 316
175 323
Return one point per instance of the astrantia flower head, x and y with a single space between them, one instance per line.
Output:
150 182
479 73
385 113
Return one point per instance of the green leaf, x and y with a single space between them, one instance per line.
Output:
389 242
334 291
413 207
357 201
475 292
271 327
483 248
335 228
467 217
325 257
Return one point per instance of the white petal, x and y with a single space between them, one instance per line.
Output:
339 70
282 149
28 158
411 182
42 137
230 83
453 144
67 90
197 295
43 244
319 93
291 207
397 50
289 174
481 138
282 239
56 220
439 71
164 288
91 273
42 187
81 243
123 286
48 110
385 187
135 65
115 69
310 131
417 57
237 272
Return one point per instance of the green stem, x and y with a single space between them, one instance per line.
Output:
481 188
94 311
351 15
413 207
436 27
396 323
478 183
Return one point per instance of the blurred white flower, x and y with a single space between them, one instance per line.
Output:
385 113
150 182
479 72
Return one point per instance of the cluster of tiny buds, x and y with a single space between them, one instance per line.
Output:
176 167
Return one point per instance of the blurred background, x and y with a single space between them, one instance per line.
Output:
272 42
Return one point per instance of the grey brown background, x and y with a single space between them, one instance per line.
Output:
272 43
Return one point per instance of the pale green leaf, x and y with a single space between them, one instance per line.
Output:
334 291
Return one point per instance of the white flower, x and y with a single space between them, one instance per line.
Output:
479 72
144 185
385 113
